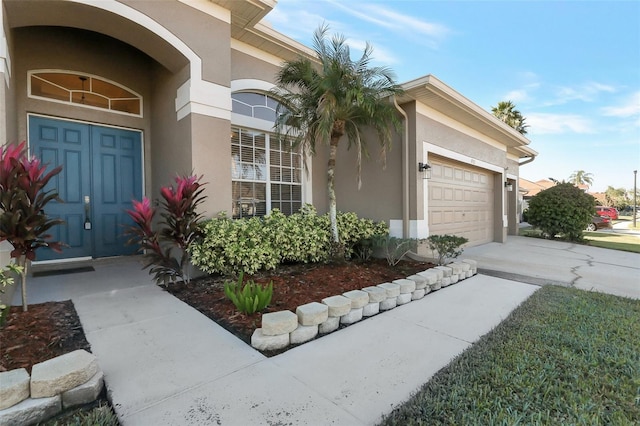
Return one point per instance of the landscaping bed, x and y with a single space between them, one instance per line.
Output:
293 285
45 331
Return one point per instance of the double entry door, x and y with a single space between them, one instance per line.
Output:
101 174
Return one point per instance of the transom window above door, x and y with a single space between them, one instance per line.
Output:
84 90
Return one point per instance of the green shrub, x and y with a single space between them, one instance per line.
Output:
301 238
252 244
563 210
354 230
446 246
249 298
229 246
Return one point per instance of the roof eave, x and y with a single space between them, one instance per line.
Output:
432 92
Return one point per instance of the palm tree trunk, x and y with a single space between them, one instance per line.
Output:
331 190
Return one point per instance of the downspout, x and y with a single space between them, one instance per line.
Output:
405 172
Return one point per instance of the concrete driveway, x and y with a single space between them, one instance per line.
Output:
538 261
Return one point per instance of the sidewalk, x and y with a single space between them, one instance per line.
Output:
167 364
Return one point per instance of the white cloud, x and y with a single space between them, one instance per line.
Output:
380 55
429 33
542 123
517 95
627 108
587 92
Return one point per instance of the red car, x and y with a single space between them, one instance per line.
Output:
607 211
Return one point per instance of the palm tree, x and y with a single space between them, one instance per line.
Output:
580 177
507 112
323 101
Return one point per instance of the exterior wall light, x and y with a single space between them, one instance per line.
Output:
508 185
425 167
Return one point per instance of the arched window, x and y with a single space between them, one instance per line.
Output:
256 105
84 90
266 172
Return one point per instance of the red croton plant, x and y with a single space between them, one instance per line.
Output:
23 197
178 229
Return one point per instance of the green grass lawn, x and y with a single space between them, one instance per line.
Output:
603 239
609 240
565 356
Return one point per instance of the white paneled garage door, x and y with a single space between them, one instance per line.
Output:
460 200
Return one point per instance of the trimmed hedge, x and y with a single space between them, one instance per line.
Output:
250 244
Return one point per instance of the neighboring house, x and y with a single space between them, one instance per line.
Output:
125 94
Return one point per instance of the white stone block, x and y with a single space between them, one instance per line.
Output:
389 303
393 290
455 268
473 264
403 298
469 273
331 324
303 333
446 281
14 387
312 313
64 372
376 294
354 315
464 265
85 393
421 282
278 323
437 285
338 305
31 411
263 342
406 286
358 298
371 309
418 294
446 271
431 275
453 278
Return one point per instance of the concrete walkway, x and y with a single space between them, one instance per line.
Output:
540 261
167 364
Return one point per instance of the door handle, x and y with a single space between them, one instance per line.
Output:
87 212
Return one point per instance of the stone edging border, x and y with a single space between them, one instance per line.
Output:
59 383
283 328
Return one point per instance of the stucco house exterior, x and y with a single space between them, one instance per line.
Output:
126 93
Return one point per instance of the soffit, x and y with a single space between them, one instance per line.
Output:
246 26
434 93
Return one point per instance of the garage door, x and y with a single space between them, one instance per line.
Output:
460 201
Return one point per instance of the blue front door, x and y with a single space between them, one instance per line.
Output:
102 172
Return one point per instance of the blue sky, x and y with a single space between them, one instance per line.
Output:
571 67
